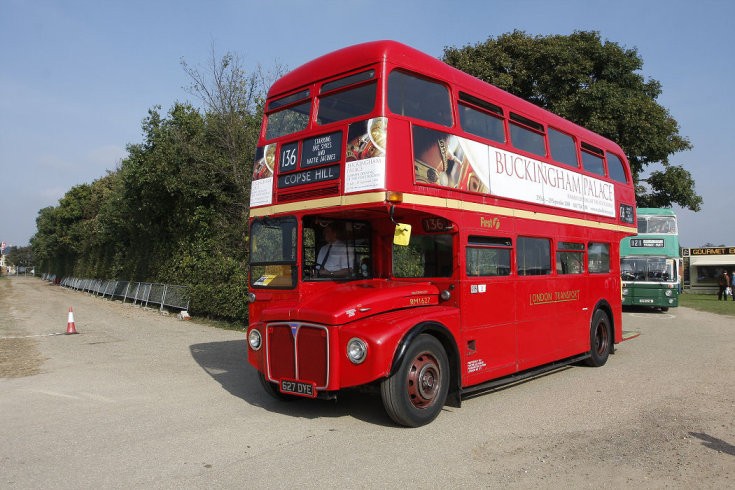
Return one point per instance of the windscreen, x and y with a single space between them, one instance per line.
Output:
647 269
336 249
273 245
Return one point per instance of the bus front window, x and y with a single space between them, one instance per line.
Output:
336 249
650 269
662 225
273 253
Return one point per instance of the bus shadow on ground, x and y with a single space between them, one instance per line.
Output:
226 362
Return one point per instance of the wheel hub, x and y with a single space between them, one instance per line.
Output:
424 380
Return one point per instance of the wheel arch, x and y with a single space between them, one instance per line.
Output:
445 337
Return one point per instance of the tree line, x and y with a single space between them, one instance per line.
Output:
175 209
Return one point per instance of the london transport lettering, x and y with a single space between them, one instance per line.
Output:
554 297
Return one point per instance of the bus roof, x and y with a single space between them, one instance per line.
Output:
394 53
655 212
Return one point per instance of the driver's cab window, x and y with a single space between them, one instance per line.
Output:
336 249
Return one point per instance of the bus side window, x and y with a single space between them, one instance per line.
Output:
425 256
598 258
527 135
563 149
616 169
480 123
592 159
533 256
569 258
411 96
488 256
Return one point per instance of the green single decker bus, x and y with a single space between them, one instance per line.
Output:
650 261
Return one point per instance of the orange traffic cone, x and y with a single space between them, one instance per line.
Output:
70 327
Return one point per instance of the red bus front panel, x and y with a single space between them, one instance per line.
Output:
301 351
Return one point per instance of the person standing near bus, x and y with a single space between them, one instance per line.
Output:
732 285
723 284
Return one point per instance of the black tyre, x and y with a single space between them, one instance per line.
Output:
601 339
416 393
272 389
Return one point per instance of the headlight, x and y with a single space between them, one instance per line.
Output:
356 350
668 292
255 340
251 297
625 291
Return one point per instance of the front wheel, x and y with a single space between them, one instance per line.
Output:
415 394
272 389
601 339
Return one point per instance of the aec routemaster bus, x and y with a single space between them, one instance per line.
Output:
650 261
417 230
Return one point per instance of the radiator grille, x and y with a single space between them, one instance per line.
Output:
298 351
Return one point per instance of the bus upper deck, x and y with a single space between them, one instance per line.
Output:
382 116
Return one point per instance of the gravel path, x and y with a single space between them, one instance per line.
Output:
140 399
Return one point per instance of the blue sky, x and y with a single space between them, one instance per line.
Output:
77 77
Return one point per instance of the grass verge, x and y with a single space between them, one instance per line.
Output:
708 302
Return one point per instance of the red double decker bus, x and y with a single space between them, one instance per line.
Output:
418 230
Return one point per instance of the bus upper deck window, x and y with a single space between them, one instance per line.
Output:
563 149
481 124
411 96
288 114
616 168
592 159
527 135
346 104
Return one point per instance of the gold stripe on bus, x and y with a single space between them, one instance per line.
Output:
510 212
440 202
325 202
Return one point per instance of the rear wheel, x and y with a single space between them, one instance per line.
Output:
601 339
417 391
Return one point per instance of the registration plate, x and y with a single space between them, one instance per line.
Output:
299 388
645 301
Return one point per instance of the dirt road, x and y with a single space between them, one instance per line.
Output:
140 399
